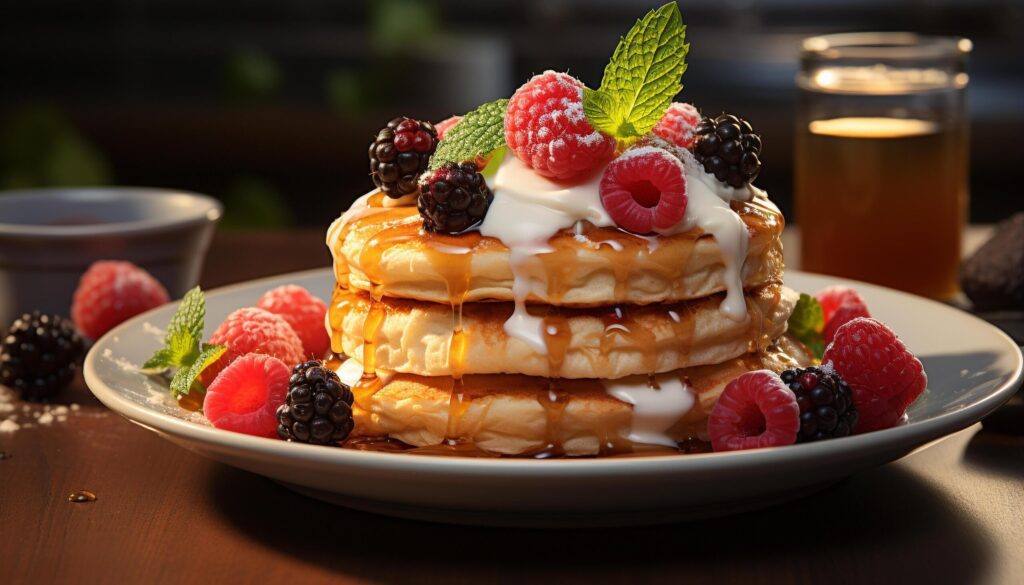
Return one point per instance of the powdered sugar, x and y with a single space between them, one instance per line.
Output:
30 415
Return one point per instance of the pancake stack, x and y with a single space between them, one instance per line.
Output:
564 272
635 345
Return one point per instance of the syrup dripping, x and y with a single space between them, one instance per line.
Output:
617 325
761 318
82 497
684 323
554 401
192 401
451 258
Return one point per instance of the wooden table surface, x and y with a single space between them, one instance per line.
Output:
951 513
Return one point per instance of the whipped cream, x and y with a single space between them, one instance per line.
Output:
655 407
527 210
350 372
708 208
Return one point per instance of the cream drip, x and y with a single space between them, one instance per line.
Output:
655 408
527 210
350 372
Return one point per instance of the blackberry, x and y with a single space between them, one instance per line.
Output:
39 355
728 149
826 403
317 408
454 198
399 155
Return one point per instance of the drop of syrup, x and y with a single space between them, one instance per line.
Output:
82 497
5 455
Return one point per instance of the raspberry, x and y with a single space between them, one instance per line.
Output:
245 396
304 312
679 124
445 125
840 304
454 198
546 128
252 330
644 190
755 410
882 373
111 292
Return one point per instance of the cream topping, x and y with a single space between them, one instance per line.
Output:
656 407
528 209
350 372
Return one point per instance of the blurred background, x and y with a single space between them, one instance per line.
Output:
269 104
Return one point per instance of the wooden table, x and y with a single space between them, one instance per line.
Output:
951 513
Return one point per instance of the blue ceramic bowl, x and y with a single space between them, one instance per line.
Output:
48 237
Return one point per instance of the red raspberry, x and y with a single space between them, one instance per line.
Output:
252 330
444 126
678 125
245 396
111 292
644 190
755 410
883 375
546 128
304 312
840 304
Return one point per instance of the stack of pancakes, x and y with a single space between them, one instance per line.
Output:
422 318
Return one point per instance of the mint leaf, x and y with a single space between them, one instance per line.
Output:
494 162
643 76
480 132
185 377
189 317
183 347
159 361
807 322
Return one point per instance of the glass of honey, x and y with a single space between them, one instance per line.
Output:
881 158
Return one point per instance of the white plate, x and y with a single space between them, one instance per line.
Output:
972 369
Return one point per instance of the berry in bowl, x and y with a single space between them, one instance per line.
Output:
49 237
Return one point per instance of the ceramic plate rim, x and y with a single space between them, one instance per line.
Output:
913 433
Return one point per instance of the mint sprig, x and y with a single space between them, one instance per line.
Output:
807 322
479 133
183 348
641 79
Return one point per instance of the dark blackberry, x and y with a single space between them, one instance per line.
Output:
454 198
728 149
39 355
399 155
317 408
826 403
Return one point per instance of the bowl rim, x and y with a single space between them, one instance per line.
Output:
205 209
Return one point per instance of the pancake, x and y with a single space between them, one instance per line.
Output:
416 337
518 415
382 250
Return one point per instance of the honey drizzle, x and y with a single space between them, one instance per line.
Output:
617 324
339 232
451 258
554 400
684 324
761 318
369 261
